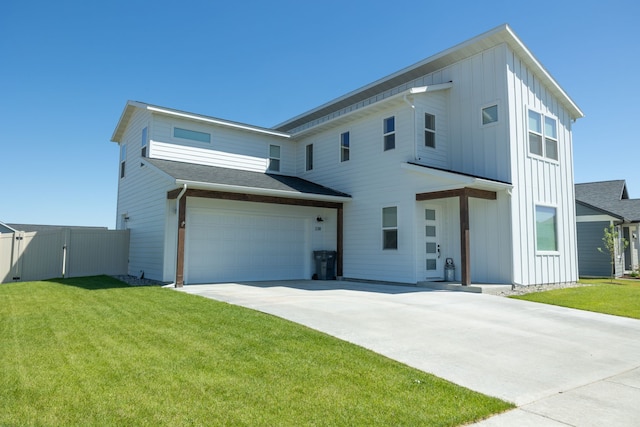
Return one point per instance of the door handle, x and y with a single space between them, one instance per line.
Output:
438 251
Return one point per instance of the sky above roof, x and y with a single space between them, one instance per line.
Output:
68 68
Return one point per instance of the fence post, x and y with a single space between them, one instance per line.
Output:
16 256
65 251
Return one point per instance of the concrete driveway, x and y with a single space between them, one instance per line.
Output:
560 366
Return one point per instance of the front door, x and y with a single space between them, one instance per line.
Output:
432 260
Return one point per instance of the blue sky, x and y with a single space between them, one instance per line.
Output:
67 69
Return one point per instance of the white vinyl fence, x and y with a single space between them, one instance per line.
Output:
64 252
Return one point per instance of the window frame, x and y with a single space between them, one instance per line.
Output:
429 130
345 149
389 137
484 107
308 158
272 158
186 138
389 228
542 135
545 251
123 160
144 142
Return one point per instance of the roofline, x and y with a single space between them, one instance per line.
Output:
464 179
131 105
605 211
198 185
9 227
501 34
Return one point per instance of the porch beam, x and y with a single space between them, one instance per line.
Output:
465 252
339 241
459 192
244 197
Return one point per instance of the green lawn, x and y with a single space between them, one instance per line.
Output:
94 351
622 297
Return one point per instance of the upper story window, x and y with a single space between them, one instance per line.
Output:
123 159
309 157
389 132
344 146
192 135
274 158
143 151
390 227
543 135
429 130
546 233
490 114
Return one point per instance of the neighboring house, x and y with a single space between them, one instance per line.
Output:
599 205
465 155
29 228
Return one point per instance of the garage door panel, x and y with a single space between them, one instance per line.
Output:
236 246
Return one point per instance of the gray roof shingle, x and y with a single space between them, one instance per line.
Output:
611 196
242 178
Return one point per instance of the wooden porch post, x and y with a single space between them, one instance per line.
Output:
182 215
340 240
465 254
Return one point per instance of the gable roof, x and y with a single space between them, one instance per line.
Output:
494 37
611 197
242 181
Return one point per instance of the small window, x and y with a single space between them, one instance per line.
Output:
309 157
344 147
389 128
390 228
429 130
543 139
489 115
192 135
546 233
123 160
143 143
274 158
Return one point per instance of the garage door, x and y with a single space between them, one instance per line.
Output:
230 246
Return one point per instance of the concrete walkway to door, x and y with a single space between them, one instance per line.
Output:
560 366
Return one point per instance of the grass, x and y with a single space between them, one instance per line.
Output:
94 351
620 297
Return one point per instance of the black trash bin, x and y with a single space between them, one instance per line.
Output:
325 265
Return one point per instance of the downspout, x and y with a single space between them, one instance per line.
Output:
405 98
180 195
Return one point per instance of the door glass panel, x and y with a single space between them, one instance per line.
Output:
430 230
431 248
431 264
430 214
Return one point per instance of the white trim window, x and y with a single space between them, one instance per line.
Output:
429 130
123 160
489 114
274 158
543 135
345 146
309 157
192 135
143 143
389 133
546 228
390 228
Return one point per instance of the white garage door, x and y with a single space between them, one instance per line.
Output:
228 246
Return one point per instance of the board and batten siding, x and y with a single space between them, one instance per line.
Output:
592 262
142 197
229 148
539 182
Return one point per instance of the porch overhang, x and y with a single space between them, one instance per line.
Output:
463 187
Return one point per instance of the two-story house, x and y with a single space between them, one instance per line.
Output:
466 155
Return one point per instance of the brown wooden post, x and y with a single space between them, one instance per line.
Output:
465 254
182 215
340 241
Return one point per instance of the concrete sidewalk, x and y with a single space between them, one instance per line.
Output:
560 366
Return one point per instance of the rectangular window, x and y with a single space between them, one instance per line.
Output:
390 228
489 115
123 159
429 130
344 147
274 158
309 157
389 129
143 143
192 135
546 233
543 139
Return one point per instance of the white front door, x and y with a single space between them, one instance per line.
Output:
431 250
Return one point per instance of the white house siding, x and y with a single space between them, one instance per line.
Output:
142 197
437 104
538 181
229 148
